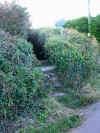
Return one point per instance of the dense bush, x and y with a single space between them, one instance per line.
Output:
80 24
77 38
74 65
14 18
50 32
95 27
37 39
20 82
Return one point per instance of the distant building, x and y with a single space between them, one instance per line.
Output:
60 22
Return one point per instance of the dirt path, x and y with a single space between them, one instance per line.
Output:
92 122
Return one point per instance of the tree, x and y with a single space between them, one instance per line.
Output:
80 24
95 27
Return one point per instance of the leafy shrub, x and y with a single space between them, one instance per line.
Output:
20 81
80 24
14 18
95 27
77 38
38 40
56 31
74 65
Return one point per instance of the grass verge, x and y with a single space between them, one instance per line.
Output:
62 125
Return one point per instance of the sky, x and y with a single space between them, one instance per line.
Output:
45 13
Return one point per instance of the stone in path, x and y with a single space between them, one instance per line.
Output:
47 68
58 94
92 124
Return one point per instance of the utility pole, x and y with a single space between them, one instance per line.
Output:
89 15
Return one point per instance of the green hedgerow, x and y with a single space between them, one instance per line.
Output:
20 81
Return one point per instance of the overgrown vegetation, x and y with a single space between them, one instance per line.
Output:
79 39
95 27
62 125
20 82
75 63
25 91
